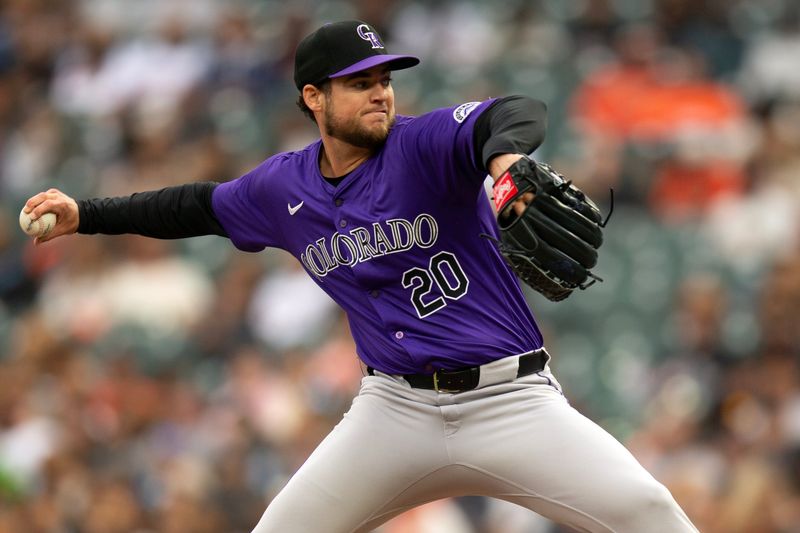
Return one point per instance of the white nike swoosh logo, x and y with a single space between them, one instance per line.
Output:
293 210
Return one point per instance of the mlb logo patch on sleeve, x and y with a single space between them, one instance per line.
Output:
462 112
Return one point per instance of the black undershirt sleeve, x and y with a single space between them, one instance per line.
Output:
170 213
512 125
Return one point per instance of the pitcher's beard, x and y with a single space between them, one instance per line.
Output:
351 132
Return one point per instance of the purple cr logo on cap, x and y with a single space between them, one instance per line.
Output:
365 33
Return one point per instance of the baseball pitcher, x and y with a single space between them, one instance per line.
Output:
388 215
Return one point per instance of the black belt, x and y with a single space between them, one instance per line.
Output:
465 379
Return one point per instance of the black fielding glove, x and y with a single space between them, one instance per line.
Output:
553 244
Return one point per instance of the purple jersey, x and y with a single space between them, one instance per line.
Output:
397 244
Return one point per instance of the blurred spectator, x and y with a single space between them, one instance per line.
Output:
751 229
225 326
29 438
779 304
16 281
288 310
264 395
241 59
147 16
84 82
454 36
596 25
690 130
705 27
114 510
770 71
538 41
149 288
30 154
441 516
332 371
687 384
149 74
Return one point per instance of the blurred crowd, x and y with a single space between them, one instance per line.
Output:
174 386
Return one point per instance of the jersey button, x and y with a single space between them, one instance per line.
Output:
374 294
338 202
342 223
399 335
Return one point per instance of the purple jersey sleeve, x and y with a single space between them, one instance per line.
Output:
242 207
442 142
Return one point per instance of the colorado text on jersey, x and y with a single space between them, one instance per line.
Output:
364 243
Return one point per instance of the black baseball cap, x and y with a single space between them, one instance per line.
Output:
342 48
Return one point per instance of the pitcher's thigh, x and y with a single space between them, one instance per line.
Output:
368 459
562 465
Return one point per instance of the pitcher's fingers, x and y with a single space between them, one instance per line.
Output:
33 201
44 238
49 237
37 199
49 205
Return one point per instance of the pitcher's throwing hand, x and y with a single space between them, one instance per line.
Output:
49 204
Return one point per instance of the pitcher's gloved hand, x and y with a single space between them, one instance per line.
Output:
551 244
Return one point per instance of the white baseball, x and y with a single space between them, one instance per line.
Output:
39 227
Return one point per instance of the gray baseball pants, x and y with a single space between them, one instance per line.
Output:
511 438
